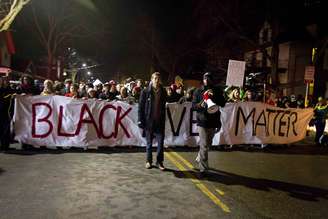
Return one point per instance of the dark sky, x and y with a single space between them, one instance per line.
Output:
124 51
120 48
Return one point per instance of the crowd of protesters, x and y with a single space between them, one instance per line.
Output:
234 94
129 91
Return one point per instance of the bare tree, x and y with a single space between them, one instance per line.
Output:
237 21
164 54
58 23
9 10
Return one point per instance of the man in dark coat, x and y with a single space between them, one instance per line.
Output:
152 118
208 123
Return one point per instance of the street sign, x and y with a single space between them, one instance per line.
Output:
308 78
309 74
236 71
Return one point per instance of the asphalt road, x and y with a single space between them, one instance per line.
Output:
113 183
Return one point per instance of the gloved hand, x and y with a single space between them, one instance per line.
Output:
207 94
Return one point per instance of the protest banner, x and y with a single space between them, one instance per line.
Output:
66 122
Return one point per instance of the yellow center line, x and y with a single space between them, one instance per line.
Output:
190 166
198 183
219 191
187 163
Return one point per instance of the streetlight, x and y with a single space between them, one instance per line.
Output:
84 65
89 73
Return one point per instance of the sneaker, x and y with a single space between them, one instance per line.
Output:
161 166
148 165
197 159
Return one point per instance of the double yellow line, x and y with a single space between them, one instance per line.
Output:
180 163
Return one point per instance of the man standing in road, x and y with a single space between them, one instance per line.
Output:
208 123
152 118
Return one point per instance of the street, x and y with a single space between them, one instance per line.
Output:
88 87
113 183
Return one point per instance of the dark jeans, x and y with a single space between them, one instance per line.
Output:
320 128
160 146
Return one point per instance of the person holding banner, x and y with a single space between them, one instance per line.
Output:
151 115
208 121
5 112
320 116
48 88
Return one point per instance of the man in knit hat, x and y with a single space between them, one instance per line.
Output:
208 122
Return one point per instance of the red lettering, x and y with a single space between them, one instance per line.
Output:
85 117
44 119
84 109
60 123
119 121
101 118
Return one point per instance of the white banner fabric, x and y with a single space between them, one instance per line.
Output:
63 121
258 123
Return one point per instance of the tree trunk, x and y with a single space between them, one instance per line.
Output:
49 67
172 73
319 76
275 53
275 63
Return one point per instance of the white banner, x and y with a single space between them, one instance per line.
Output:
63 121
258 123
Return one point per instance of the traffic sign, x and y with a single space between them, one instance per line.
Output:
309 74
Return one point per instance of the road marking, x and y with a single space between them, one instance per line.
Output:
187 163
199 184
190 166
219 191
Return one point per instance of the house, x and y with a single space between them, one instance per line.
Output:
294 53
7 49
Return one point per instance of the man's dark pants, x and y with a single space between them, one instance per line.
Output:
159 136
320 129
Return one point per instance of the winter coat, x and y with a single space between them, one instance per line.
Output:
146 101
205 119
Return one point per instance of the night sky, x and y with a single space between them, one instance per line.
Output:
184 26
